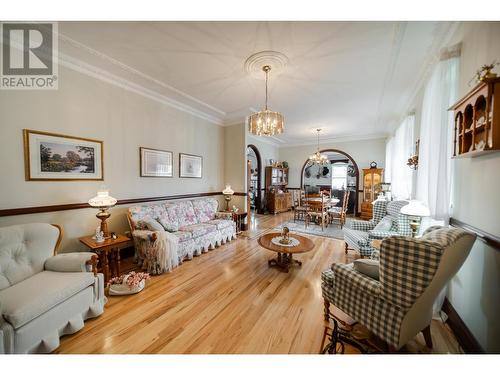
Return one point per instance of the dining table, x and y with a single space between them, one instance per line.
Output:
328 201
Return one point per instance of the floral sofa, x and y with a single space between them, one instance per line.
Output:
194 226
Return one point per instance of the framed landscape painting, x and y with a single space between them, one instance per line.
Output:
190 166
156 163
57 157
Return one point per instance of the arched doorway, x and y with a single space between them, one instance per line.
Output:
254 179
321 175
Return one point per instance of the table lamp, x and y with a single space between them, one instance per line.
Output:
415 210
228 193
103 201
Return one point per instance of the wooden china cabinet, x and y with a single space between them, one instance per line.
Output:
276 181
372 177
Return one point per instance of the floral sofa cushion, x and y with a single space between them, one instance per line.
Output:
139 214
205 209
183 212
183 236
198 230
221 223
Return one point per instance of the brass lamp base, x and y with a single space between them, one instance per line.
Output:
414 225
228 199
103 215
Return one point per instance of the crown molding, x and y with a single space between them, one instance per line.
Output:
136 81
339 139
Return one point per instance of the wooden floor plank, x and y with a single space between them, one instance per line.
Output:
228 301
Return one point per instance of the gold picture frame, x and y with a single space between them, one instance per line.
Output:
74 158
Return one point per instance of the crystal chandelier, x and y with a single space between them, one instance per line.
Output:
266 122
317 157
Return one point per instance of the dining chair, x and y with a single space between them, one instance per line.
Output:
302 208
318 212
339 213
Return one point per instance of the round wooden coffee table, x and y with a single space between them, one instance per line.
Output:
285 260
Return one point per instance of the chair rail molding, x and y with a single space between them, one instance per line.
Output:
488 238
76 206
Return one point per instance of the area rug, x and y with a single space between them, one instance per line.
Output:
332 231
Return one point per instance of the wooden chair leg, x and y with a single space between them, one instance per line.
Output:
427 336
326 309
346 247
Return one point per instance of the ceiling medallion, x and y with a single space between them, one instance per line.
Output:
317 157
266 122
276 60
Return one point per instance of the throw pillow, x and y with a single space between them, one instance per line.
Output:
168 225
383 225
368 267
151 224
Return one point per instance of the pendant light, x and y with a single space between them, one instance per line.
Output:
317 157
266 122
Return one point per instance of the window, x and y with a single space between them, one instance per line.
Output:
339 176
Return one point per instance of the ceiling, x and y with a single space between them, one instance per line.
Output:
352 79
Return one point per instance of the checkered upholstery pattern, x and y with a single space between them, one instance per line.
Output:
358 237
407 267
359 296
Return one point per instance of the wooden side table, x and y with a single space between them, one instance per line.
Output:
108 252
239 218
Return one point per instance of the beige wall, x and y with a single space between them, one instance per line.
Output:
475 291
87 107
235 163
363 152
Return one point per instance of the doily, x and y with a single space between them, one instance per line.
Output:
293 241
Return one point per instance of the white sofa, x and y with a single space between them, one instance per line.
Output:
43 296
194 225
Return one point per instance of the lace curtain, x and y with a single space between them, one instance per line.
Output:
398 149
436 136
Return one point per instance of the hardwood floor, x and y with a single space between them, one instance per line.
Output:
228 301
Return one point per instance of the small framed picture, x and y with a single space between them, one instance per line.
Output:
58 157
156 163
190 166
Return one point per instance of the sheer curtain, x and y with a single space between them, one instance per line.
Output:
436 136
398 149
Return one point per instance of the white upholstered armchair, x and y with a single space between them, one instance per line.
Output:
43 296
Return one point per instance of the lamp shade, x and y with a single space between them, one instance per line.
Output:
415 208
102 199
228 190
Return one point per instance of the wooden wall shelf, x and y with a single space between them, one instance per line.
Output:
477 120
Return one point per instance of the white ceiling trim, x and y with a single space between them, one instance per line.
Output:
281 143
104 75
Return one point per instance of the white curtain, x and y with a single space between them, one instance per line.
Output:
436 137
398 149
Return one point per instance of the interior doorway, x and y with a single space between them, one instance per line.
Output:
254 180
338 177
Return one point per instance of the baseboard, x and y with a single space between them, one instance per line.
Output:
464 336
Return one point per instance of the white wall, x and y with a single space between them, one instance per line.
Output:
475 291
87 107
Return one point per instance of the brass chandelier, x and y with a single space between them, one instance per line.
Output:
317 157
266 122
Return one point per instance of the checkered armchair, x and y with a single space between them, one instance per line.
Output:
360 233
412 272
